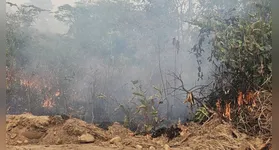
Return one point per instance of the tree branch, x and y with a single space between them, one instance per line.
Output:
199 87
27 6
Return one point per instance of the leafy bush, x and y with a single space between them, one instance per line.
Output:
147 106
201 115
241 53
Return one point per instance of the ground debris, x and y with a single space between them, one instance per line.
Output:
115 140
171 132
139 147
166 147
55 132
12 136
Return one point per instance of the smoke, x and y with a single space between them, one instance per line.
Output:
93 57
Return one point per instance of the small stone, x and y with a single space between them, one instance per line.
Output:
32 134
160 142
9 127
113 146
115 140
19 142
86 138
13 135
25 141
152 148
182 133
20 127
166 147
54 133
59 141
138 147
148 137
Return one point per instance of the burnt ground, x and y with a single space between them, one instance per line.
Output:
27 131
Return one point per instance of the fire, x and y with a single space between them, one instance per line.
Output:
228 111
31 84
39 84
57 93
240 99
24 82
48 103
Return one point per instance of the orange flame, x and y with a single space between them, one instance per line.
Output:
57 93
48 103
240 99
31 84
218 105
228 111
249 98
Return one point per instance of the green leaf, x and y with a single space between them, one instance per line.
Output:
201 114
150 97
142 106
154 112
270 66
102 96
157 89
239 41
156 119
138 94
138 110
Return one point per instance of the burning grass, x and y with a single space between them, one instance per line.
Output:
255 119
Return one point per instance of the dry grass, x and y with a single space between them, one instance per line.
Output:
219 135
256 121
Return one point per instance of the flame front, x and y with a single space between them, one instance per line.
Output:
40 84
48 103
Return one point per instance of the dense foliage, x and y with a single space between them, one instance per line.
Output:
241 52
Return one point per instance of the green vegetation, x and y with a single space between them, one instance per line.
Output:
241 53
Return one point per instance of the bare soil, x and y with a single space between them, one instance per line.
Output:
28 132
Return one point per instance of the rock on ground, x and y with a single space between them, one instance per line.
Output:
86 138
115 140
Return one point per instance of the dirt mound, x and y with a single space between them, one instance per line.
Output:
28 131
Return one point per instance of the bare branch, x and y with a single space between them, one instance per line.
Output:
199 87
27 6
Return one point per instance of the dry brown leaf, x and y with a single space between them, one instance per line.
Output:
218 105
267 145
189 98
250 109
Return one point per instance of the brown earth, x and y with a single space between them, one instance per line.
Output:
28 132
